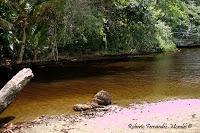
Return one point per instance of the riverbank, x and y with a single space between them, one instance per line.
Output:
168 116
76 59
9 68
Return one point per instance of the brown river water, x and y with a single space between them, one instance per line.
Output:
140 79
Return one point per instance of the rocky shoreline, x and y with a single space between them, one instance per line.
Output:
168 116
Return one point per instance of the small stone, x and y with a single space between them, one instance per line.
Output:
81 107
8 125
194 115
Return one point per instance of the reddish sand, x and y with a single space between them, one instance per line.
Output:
179 116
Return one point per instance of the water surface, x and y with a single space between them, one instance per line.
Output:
149 78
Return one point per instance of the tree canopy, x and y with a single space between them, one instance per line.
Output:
49 29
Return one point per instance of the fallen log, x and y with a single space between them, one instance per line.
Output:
13 87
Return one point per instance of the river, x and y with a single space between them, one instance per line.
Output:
140 79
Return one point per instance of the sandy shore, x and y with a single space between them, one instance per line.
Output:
179 116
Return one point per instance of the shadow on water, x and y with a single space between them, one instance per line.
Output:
74 70
86 69
4 120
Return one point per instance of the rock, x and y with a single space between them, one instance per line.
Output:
102 98
8 126
194 115
82 107
94 104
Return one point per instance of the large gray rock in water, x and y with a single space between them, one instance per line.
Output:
102 98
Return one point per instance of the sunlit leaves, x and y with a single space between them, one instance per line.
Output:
70 27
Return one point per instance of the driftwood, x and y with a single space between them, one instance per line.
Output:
13 87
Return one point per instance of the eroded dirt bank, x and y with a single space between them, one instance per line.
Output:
166 116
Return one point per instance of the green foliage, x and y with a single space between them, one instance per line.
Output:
83 27
164 37
47 29
174 12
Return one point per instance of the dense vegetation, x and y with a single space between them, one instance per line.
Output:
52 29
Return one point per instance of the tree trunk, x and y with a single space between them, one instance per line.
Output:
56 52
35 53
13 87
21 54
